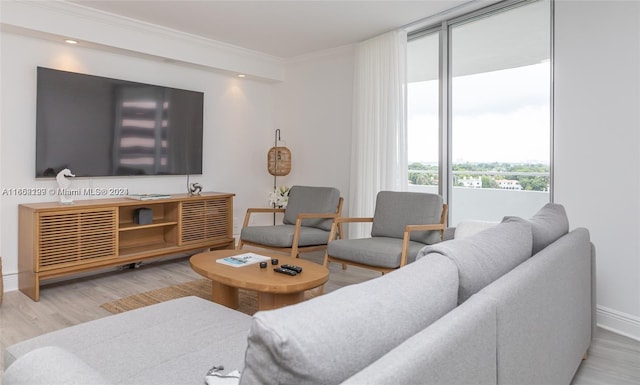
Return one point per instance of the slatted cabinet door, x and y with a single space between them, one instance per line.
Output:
206 220
71 238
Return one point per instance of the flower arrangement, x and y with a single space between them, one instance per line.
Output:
279 197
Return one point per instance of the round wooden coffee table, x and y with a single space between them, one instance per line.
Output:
274 289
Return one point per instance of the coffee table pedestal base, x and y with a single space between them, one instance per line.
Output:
268 301
229 297
225 295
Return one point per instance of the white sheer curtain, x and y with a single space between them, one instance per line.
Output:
379 144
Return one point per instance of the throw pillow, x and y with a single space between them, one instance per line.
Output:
548 225
487 255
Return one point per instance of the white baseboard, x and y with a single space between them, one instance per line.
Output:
618 322
10 282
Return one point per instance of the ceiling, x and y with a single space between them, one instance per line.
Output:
283 29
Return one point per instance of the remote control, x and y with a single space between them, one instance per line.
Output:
285 271
295 268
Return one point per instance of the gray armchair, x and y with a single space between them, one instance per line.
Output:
403 223
306 224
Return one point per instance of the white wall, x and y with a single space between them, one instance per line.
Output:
313 112
597 144
238 128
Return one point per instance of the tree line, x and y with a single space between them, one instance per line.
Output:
531 176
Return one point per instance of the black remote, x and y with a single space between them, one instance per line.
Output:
295 268
285 271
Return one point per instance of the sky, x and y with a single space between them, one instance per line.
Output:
499 116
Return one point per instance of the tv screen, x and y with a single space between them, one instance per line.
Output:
97 126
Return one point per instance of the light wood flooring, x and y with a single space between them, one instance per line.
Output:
613 359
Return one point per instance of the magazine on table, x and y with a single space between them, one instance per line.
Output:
243 259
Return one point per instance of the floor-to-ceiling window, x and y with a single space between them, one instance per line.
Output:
423 106
479 127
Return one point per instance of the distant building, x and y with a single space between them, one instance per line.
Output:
508 184
471 182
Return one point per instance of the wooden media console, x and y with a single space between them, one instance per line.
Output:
58 240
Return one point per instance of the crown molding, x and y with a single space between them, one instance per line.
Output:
103 29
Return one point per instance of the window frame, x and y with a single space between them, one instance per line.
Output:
443 28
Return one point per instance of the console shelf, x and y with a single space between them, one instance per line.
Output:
133 226
59 240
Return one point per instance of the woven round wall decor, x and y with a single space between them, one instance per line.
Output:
279 161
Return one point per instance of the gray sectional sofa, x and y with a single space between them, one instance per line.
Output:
511 304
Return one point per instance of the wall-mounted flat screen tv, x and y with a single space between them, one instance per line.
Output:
97 126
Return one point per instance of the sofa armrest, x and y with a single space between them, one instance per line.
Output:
542 304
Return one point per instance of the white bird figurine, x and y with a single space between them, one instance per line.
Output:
63 186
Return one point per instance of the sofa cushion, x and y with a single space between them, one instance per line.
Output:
330 338
282 235
311 200
487 255
51 365
377 251
173 342
548 225
470 227
395 210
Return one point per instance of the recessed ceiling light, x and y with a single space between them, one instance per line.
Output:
69 41
241 75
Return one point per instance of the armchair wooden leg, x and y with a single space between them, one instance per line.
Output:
325 261
239 246
586 355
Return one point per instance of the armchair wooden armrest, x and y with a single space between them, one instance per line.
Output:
336 227
302 216
250 211
411 228
442 226
353 219
317 215
407 236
